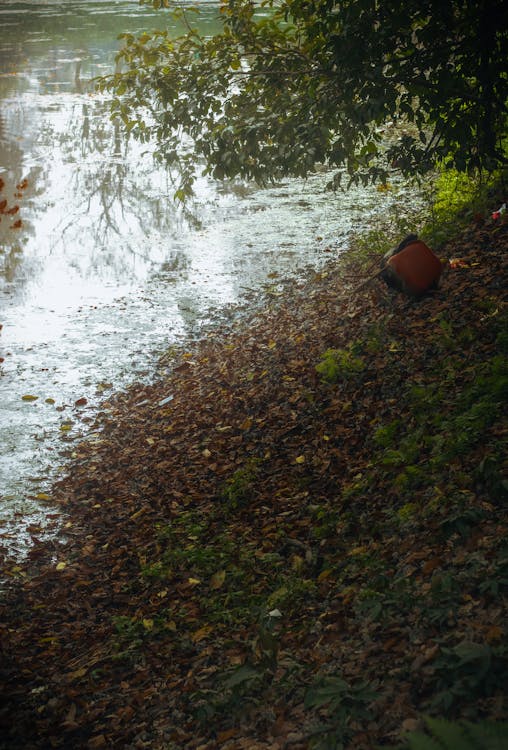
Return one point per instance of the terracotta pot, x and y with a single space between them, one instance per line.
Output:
416 267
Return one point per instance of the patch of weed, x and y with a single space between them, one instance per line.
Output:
239 488
339 705
339 364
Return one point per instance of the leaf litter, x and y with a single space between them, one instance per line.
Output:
279 556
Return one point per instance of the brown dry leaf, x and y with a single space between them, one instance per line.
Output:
202 633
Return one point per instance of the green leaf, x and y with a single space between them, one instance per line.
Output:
245 673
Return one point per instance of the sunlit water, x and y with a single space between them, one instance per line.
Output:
105 273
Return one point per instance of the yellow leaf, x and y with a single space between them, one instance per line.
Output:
297 562
66 427
193 581
77 674
29 397
50 400
200 634
43 496
300 459
272 344
494 633
148 624
162 594
357 550
61 566
217 580
138 513
324 575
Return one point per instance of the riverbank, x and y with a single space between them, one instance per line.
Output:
262 554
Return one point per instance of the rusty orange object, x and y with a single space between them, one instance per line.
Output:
416 267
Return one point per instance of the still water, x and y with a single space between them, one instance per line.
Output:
99 271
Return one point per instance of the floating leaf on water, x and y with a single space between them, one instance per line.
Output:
103 387
43 496
81 402
49 400
29 397
66 426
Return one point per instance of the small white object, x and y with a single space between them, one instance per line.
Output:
275 613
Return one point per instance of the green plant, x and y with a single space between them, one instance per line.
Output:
238 687
447 735
466 670
455 197
239 488
385 435
407 513
339 364
128 637
340 704
492 473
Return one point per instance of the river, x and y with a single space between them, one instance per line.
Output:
100 272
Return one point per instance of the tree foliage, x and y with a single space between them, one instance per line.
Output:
362 86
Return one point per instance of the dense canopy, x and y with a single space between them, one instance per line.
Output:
361 86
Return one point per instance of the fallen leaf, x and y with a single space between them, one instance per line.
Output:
217 580
97 742
202 633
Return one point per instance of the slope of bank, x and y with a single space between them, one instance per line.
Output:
262 554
